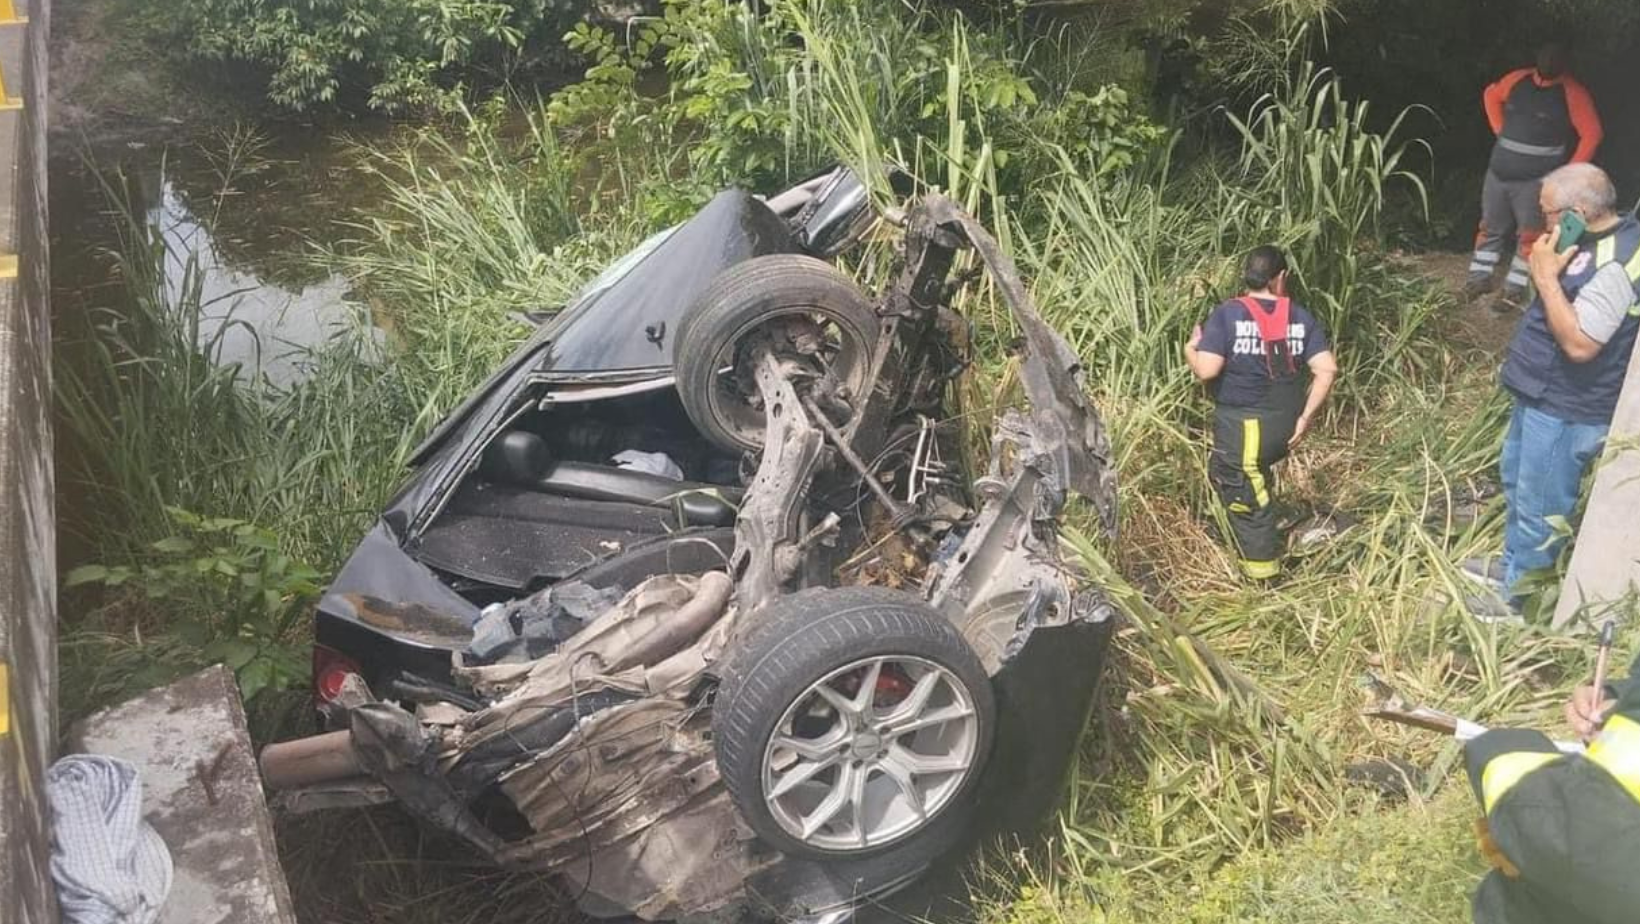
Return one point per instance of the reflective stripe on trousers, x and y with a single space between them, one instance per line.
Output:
1249 460
1520 272
1531 150
1246 443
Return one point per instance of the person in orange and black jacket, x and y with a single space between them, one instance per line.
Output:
1562 831
1254 351
1543 119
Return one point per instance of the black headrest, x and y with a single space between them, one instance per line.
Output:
519 457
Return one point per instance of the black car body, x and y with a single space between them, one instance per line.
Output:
804 433
405 598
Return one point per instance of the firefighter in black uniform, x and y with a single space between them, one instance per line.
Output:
1562 831
1253 350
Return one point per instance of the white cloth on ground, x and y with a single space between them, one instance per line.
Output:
109 865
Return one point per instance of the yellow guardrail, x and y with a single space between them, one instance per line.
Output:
5 699
8 261
9 17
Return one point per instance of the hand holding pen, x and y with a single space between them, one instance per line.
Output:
1587 710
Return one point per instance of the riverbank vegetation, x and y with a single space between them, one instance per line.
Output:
386 55
1213 783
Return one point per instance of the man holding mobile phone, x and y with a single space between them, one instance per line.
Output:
1564 369
1537 113
1253 350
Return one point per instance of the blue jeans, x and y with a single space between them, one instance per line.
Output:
1544 459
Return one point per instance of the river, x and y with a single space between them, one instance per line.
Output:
247 218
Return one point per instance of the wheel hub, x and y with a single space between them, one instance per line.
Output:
821 350
868 754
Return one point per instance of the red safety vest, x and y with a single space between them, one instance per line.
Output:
1272 329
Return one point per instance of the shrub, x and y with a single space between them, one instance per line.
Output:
389 55
228 591
760 96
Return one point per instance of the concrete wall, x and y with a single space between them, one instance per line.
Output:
1603 581
28 626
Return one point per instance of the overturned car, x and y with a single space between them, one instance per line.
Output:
698 602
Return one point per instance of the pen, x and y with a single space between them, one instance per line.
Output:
1606 632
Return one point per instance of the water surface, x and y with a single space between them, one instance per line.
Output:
245 219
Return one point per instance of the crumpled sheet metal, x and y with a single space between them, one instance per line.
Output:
397 750
1073 448
630 809
618 750
615 760
695 864
614 642
627 806
600 658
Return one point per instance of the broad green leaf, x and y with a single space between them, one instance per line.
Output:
86 574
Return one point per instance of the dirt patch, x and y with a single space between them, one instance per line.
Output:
379 866
1472 323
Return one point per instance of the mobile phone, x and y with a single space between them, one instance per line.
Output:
1571 230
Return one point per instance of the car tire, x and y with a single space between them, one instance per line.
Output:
910 758
740 299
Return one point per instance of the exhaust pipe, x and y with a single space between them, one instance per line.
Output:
309 761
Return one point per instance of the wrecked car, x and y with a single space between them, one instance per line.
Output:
702 602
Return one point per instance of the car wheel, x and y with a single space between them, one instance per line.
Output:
807 309
851 722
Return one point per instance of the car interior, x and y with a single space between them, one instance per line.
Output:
548 499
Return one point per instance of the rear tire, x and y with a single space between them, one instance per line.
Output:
824 766
745 297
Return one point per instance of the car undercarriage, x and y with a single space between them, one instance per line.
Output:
797 648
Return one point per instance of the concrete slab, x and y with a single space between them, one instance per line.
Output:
1604 576
203 794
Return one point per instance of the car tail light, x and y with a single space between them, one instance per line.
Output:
330 670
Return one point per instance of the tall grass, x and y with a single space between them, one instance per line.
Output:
156 418
474 231
157 431
1310 165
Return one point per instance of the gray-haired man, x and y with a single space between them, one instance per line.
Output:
1565 369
